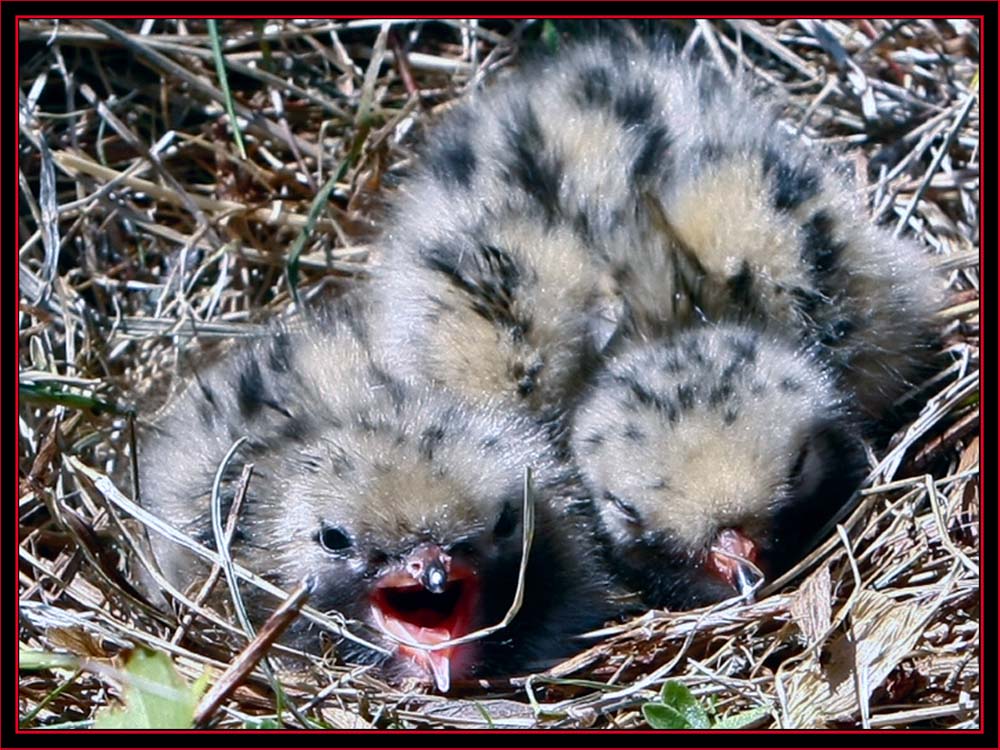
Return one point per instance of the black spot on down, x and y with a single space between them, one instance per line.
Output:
593 88
647 397
430 439
633 433
791 185
819 250
454 161
279 354
635 105
652 154
740 286
486 273
252 393
537 173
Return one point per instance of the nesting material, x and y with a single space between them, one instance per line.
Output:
144 237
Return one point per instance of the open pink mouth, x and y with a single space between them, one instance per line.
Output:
734 559
407 611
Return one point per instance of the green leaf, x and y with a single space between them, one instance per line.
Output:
318 205
678 709
265 46
659 716
678 697
53 394
156 697
743 718
550 36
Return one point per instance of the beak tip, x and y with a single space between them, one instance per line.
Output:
439 665
747 582
435 580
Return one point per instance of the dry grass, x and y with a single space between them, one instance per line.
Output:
143 231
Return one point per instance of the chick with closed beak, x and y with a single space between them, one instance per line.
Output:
714 460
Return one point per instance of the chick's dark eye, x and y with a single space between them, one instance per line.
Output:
507 521
333 539
625 508
800 463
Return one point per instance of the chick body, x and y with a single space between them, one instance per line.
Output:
725 429
621 192
768 323
401 502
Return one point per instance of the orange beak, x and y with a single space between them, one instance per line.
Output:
733 558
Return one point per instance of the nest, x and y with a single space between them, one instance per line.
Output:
144 233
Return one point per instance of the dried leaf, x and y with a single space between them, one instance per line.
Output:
883 634
811 608
970 456
78 641
484 711
338 718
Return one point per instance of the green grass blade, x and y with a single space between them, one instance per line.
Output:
220 69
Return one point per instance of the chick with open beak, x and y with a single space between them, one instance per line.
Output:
450 596
402 502
714 457
733 559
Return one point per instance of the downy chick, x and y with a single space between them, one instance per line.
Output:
402 503
714 458
490 280
618 191
768 324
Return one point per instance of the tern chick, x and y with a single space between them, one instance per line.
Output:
621 191
402 503
714 459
